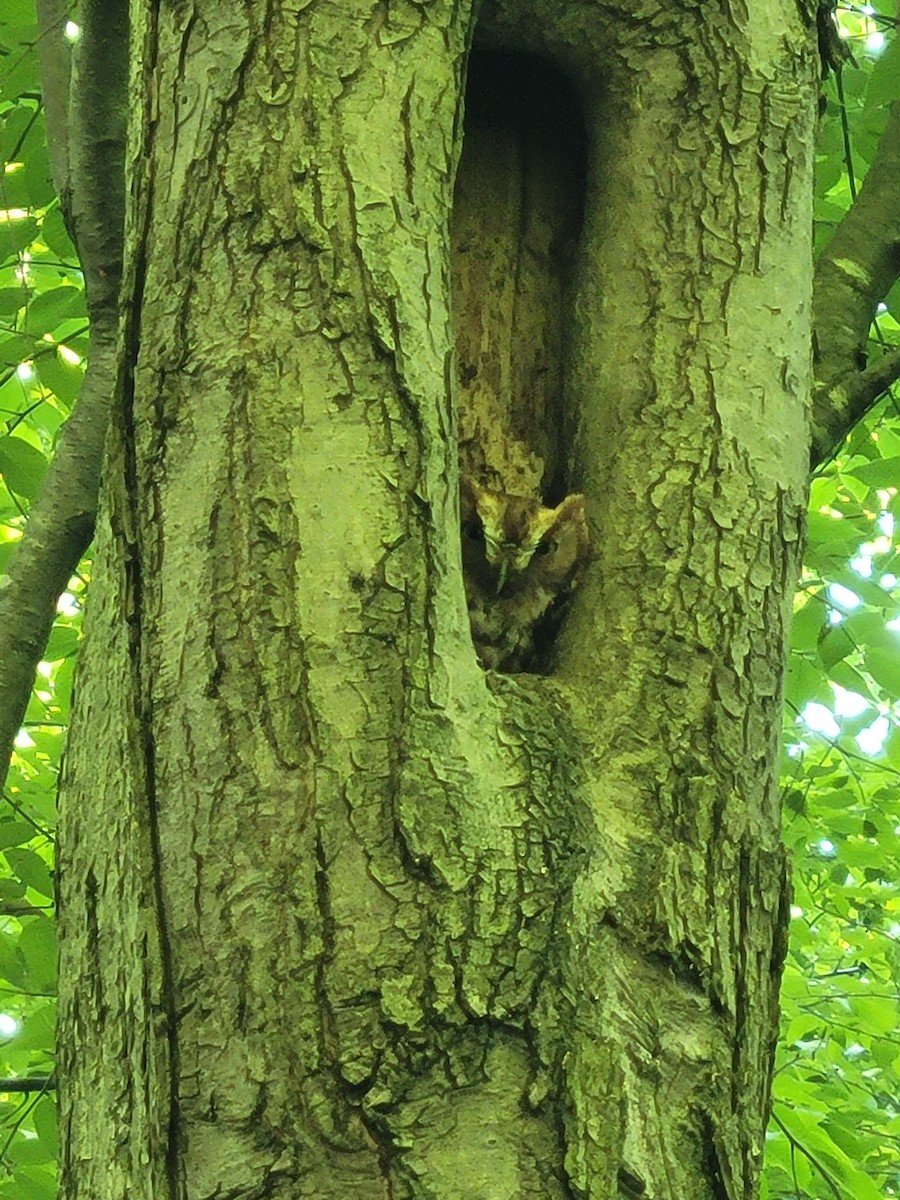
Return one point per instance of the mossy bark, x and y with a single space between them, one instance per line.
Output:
342 913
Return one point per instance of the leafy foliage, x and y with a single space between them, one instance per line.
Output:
43 340
835 1129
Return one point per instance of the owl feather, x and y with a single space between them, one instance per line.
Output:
521 560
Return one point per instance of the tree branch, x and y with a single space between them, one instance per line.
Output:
61 521
855 272
55 57
851 397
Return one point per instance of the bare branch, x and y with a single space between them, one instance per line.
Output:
851 397
61 521
857 269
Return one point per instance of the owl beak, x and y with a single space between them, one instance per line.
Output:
502 574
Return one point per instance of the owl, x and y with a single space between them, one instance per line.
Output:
520 561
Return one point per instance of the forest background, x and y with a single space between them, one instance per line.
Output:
835 1126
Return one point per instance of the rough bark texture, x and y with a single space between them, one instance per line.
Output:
360 918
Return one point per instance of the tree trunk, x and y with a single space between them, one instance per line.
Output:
341 912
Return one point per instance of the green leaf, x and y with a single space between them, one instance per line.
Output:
62 642
32 1184
17 13
832 535
835 645
31 869
892 300
882 473
851 680
31 1152
15 348
875 1014
867 628
22 466
16 235
21 75
15 833
808 623
815 1141
12 299
884 667
883 86
14 126
62 687
55 236
41 191
37 1030
48 310
806 681
45 1124
37 945
12 965
60 376
11 889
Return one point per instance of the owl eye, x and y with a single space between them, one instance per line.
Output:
473 530
546 546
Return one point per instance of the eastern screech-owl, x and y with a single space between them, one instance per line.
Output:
519 559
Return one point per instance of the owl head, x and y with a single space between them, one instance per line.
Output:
514 544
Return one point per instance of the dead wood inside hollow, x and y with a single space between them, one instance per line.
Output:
517 218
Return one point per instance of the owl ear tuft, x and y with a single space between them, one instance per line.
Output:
568 512
471 495
572 505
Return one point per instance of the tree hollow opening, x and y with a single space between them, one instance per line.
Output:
517 219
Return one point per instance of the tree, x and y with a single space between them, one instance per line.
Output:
355 912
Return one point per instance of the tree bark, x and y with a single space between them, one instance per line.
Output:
341 912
